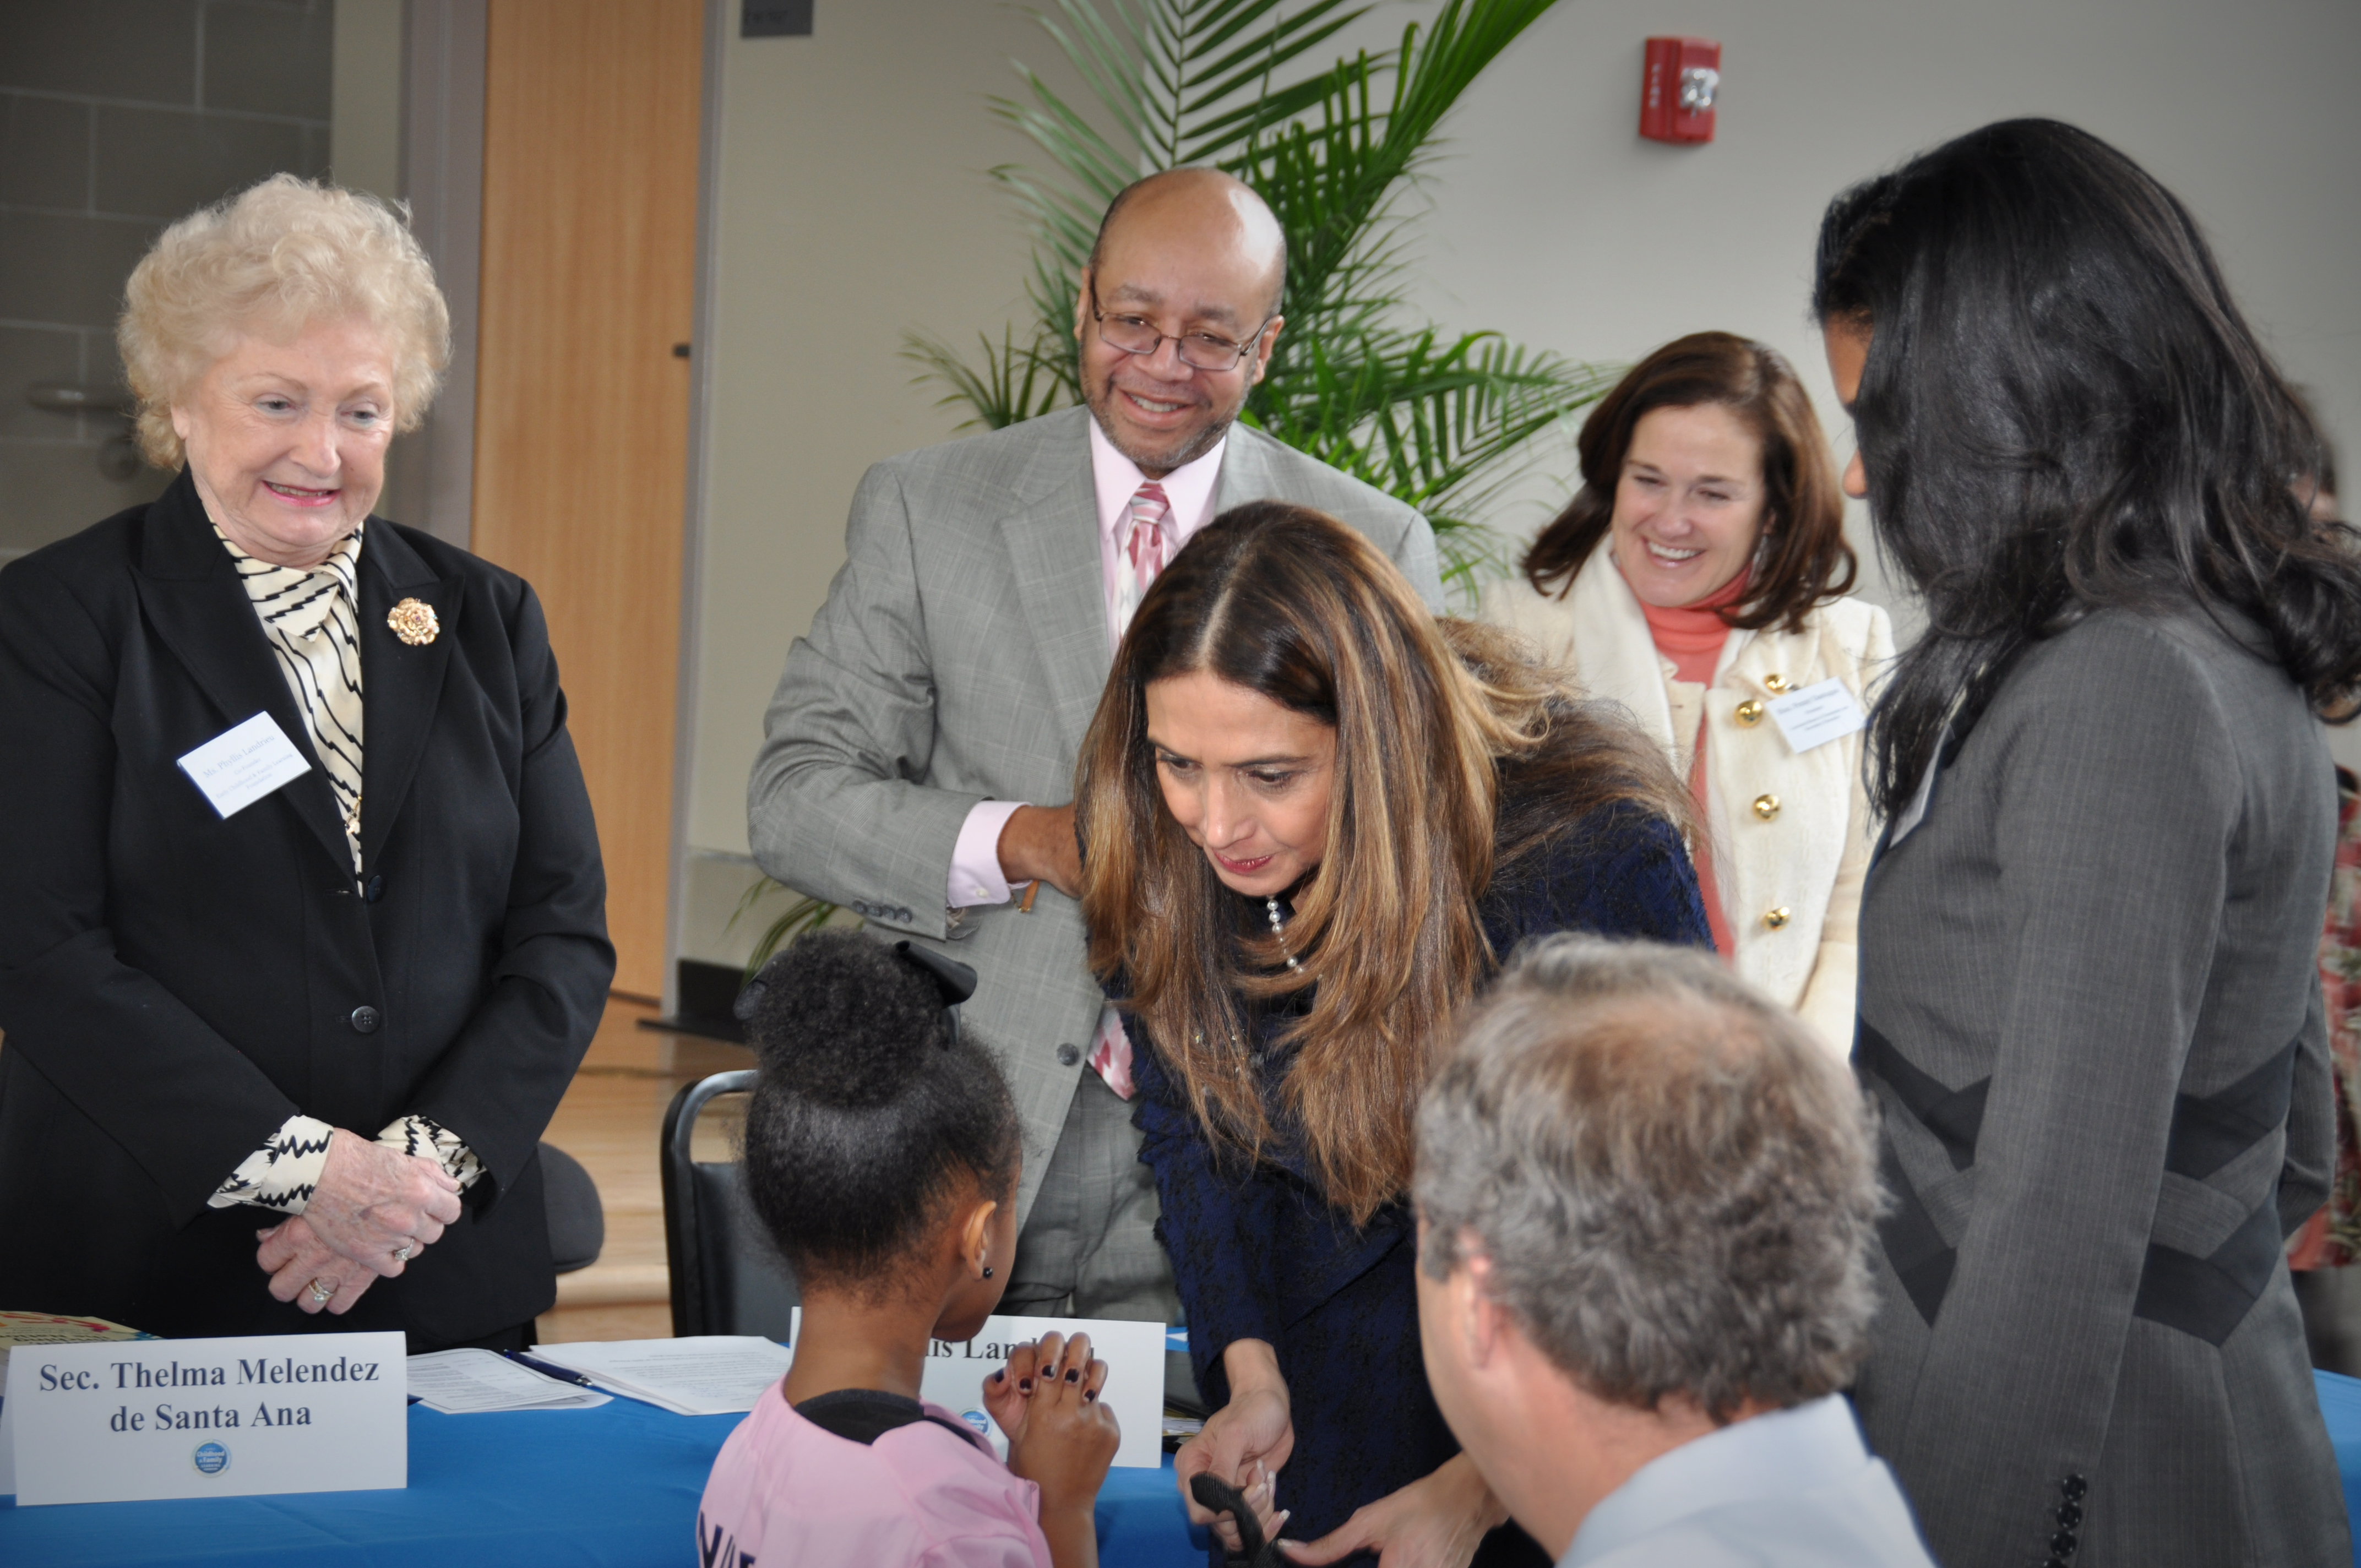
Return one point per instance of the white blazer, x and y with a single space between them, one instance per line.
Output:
1791 831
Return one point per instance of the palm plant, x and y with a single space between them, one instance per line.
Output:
802 914
1441 419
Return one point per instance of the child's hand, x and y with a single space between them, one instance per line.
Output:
1060 1436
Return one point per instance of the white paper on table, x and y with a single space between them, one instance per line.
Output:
467 1382
705 1374
243 764
1134 1353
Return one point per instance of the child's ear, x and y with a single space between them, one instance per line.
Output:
975 1240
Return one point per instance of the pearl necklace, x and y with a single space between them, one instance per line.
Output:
1279 931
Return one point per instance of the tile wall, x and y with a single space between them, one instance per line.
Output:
117 116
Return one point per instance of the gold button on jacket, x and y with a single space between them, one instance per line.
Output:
1766 806
1775 684
1778 917
1749 712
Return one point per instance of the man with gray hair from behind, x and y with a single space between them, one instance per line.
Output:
1645 1199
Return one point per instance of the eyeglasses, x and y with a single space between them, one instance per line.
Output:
1198 350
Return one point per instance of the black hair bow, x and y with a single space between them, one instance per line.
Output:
954 980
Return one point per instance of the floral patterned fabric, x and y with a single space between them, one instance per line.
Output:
2332 1238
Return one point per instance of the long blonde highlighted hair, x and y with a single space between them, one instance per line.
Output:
1430 718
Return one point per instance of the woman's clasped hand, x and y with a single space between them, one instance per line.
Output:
374 1211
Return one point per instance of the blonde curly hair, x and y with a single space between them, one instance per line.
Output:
274 258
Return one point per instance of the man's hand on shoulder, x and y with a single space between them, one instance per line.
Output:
1036 844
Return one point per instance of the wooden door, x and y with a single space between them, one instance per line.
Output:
590 176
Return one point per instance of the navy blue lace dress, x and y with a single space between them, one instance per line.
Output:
1261 1254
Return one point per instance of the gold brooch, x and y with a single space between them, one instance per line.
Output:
414 622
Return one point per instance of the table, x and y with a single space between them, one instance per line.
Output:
616 1487
611 1487
2340 1405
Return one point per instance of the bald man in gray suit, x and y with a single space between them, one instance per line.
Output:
918 763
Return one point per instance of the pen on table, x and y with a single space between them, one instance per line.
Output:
546 1370
1025 905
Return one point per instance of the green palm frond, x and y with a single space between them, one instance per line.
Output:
1017 381
1442 420
802 914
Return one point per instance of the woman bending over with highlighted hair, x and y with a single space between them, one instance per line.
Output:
882 1155
1314 821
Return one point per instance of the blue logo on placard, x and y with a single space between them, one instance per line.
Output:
977 1419
211 1458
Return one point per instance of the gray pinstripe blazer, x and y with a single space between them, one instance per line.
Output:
2091 1016
959 658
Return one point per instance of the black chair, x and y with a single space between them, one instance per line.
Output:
577 1221
727 1277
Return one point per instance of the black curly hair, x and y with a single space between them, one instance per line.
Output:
871 1113
2062 410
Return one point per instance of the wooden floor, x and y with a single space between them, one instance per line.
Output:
610 1120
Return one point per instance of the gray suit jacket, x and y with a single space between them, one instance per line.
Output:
2091 1016
959 658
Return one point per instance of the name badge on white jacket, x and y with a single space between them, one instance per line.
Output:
1818 714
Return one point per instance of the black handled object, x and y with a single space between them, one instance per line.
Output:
1224 1499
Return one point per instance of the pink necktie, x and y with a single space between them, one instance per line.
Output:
1146 546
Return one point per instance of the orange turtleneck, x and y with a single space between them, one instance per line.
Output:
1692 636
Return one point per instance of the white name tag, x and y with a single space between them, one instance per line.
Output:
243 764
1817 715
209 1418
1134 1386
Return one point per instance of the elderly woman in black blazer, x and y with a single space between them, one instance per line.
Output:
282 1040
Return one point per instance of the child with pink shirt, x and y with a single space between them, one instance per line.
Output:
881 1153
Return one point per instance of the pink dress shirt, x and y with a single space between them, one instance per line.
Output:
784 1493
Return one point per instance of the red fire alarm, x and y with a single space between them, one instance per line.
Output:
1677 87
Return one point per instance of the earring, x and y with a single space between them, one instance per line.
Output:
987 1271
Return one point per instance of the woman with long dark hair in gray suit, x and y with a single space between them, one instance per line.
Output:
2088 1010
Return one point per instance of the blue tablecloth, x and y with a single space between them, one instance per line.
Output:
2340 1405
611 1487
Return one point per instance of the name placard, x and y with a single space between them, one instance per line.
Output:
206 1418
1134 1353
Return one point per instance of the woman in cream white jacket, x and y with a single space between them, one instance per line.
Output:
1697 578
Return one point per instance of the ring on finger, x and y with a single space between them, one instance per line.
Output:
402 1253
321 1291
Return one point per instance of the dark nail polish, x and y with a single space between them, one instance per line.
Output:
1073 1375
1089 1395
1001 1375
1025 1385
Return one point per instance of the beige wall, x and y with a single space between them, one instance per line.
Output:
852 207
1555 219
365 100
